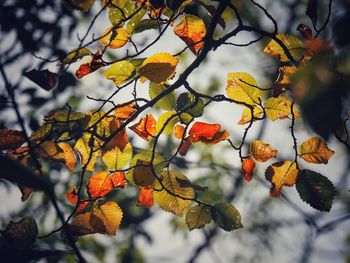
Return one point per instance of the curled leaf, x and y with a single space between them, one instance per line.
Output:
248 165
10 139
145 128
262 151
315 150
145 198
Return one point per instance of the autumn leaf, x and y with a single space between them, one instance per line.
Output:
95 63
43 78
21 234
145 198
248 165
88 155
177 202
197 217
76 54
279 108
315 150
106 217
145 128
281 174
120 139
316 190
246 116
179 131
60 152
226 216
10 139
72 198
120 72
81 226
101 183
125 112
115 159
143 175
292 43
262 151
167 119
242 87
159 67
191 30
206 133
114 38
168 102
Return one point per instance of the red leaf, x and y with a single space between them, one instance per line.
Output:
248 166
101 183
145 128
204 130
90 67
145 197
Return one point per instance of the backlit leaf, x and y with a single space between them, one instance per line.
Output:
87 154
248 165
169 202
198 216
120 72
191 30
247 116
21 234
76 54
281 174
115 159
134 20
101 183
186 102
206 133
293 44
278 108
145 128
115 16
168 102
143 175
125 112
106 217
241 87
171 119
72 198
145 198
316 190
315 150
159 67
120 139
226 216
10 139
114 38
262 151
179 131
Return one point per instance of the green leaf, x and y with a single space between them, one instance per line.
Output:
170 125
316 190
178 198
21 234
135 21
146 24
120 72
198 216
115 16
76 54
168 102
188 101
226 216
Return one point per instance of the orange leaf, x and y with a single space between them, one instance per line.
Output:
83 70
115 38
119 140
90 67
101 183
125 112
72 198
248 166
191 30
204 130
145 197
179 131
145 128
281 174
10 139
315 150
262 151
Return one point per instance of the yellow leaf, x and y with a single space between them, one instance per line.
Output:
247 116
120 72
115 159
84 150
262 151
315 150
176 201
191 30
172 120
114 38
279 108
106 217
80 225
241 87
159 67
280 174
293 44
